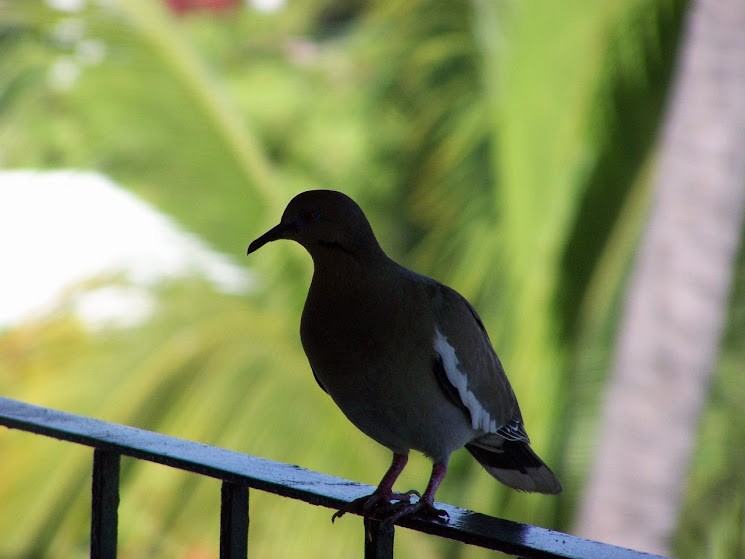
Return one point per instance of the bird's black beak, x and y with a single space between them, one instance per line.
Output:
277 232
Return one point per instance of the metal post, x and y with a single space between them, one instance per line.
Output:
105 503
234 521
378 539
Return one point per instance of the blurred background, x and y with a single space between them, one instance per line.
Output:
505 149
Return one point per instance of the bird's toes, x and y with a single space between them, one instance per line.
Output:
368 505
406 497
420 509
433 513
355 506
390 508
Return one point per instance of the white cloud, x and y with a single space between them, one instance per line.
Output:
268 5
67 5
114 305
59 228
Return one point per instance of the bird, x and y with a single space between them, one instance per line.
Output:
406 359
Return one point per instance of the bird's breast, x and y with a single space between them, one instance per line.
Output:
374 356
351 338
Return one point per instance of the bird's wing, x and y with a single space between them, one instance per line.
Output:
468 368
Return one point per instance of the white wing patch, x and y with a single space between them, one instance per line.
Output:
480 418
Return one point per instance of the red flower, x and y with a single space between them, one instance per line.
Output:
185 6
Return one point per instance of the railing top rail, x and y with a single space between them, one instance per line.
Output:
297 483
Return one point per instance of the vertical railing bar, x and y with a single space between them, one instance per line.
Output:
105 504
378 539
233 521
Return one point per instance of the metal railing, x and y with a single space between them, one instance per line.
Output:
239 472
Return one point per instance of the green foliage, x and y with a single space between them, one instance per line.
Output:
713 515
502 148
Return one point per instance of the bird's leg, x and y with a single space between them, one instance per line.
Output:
383 495
385 487
424 507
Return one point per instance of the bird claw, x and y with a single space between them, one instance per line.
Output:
370 505
356 506
389 509
406 497
420 509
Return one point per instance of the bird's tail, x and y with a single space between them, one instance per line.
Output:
515 464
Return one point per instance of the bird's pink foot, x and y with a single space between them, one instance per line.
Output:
389 509
378 502
421 508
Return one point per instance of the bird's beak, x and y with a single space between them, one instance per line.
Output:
279 231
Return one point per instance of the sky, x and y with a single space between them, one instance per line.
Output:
60 228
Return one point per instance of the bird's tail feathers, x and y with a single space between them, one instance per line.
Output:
516 465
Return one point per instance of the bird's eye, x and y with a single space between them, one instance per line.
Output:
309 215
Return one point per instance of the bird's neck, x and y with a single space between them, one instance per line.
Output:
337 270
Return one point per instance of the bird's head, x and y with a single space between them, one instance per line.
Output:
323 221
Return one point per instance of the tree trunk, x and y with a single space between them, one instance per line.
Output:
676 301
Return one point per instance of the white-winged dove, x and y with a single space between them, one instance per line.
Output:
406 358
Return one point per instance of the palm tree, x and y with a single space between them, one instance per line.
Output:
676 302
